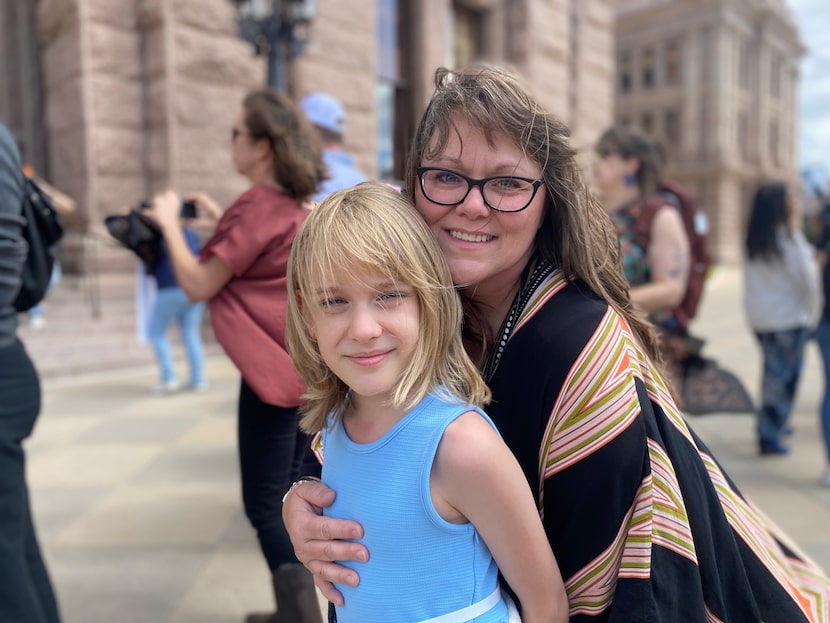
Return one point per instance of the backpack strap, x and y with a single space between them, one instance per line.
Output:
649 206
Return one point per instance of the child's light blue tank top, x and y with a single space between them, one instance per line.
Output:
420 566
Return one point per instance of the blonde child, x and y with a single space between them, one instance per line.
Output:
374 331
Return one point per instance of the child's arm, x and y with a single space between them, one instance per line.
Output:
475 476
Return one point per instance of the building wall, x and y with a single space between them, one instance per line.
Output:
563 49
735 101
341 59
140 95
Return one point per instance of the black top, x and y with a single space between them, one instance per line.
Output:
644 524
12 245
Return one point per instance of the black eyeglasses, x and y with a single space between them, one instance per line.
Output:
502 193
604 152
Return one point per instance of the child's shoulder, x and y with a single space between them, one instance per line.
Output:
471 429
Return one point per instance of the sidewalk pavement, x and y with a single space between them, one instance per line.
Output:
136 497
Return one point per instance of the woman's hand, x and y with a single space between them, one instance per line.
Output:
208 212
316 539
165 210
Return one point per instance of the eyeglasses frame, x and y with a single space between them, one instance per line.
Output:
472 182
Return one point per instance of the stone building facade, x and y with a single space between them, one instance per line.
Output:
716 82
139 95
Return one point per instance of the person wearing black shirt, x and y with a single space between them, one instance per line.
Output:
26 594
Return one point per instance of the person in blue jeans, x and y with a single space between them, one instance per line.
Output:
172 305
37 314
823 334
781 299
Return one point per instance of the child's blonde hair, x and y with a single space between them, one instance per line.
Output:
373 229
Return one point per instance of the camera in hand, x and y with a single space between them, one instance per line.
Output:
186 212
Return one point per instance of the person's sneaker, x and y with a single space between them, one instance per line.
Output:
37 323
773 448
166 387
199 388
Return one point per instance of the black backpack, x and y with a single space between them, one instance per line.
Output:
42 230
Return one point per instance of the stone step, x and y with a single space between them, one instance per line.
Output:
91 325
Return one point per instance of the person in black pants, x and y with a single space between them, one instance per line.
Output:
241 272
26 594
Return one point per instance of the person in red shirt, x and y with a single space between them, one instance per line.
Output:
241 272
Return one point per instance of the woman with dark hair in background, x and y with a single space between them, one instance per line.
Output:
241 271
26 594
781 298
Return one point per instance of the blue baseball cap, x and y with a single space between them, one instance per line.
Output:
324 111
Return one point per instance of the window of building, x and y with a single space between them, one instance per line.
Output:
648 68
673 63
468 34
775 76
624 72
671 127
774 141
743 64
647 123
743 136
393 92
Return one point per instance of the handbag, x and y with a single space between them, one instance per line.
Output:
42 230
708 388
138 233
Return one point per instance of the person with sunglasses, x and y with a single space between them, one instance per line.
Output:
626 175
643 523
241 272
26 591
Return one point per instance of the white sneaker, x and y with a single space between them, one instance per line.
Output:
37 323
825 480
166 387
199 388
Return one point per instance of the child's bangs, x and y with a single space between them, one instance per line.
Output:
355 252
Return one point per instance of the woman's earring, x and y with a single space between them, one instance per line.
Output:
629 179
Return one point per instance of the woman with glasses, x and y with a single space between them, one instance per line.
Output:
241 272
642 521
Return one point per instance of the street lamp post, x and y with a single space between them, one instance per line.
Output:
279 31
